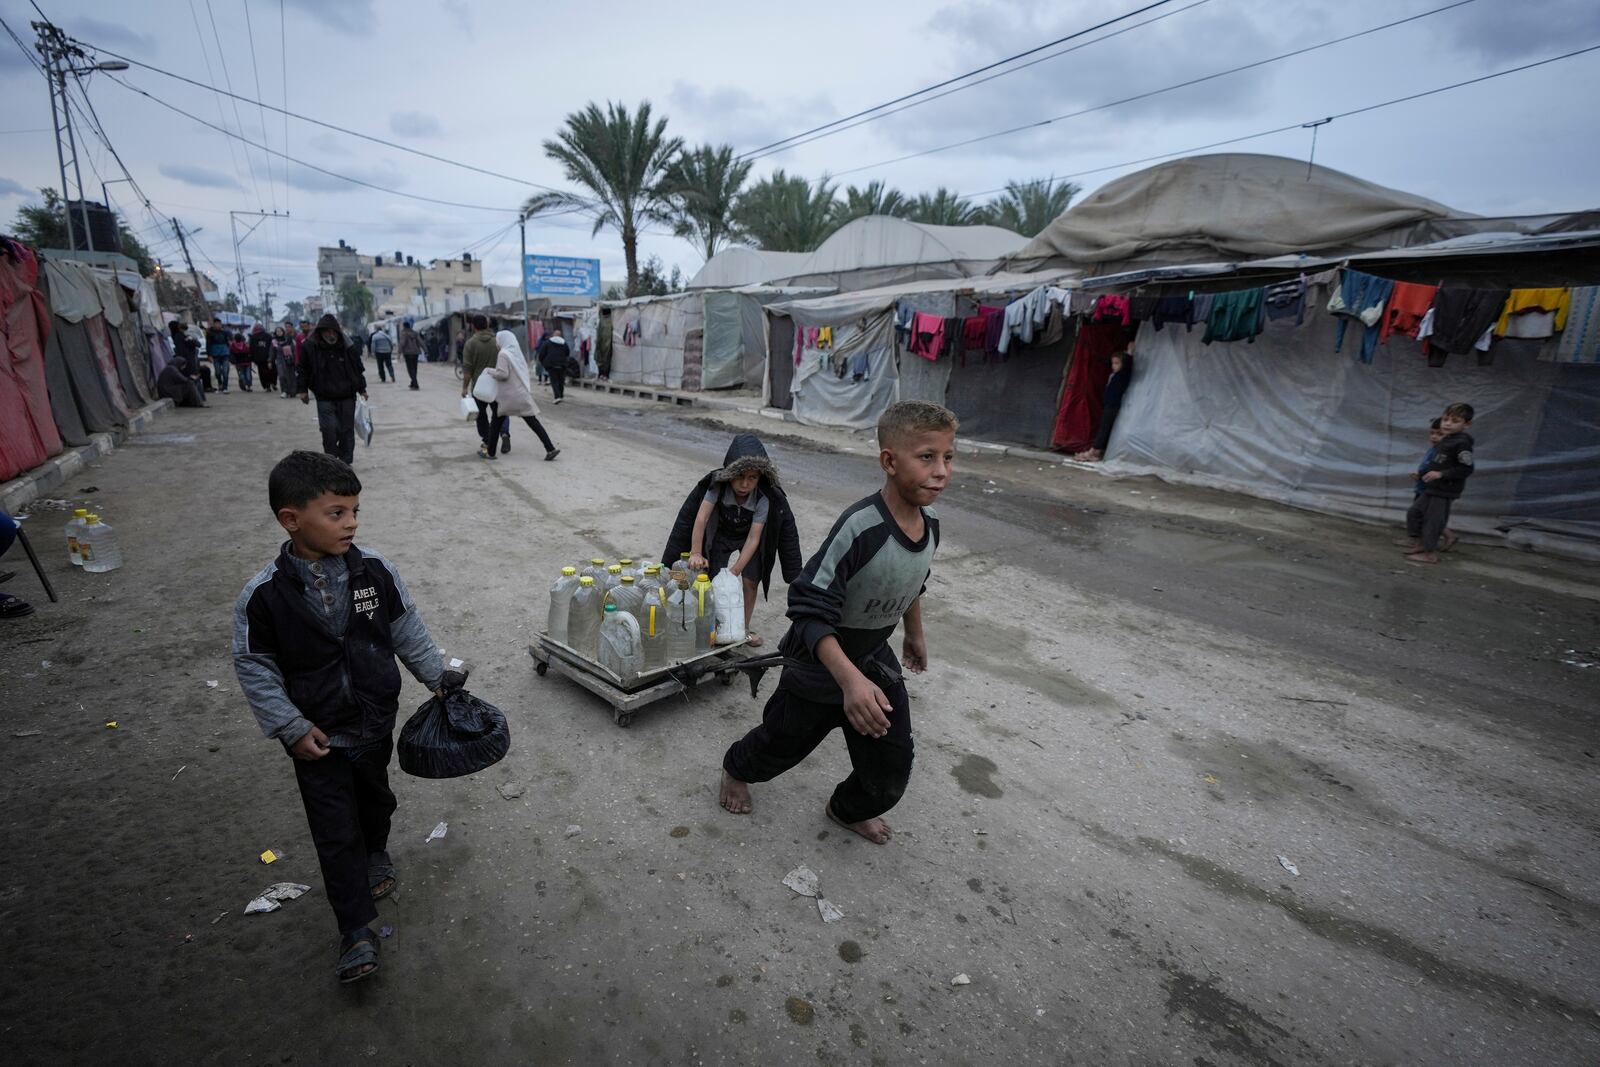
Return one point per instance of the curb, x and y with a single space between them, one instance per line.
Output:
24 489
689 400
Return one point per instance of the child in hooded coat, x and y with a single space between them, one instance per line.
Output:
716 523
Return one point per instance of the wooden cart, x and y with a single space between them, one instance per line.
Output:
626 698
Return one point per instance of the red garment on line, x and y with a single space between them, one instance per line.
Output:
927 335
1407 305
1084 393
975 330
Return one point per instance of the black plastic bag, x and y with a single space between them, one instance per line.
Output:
454 736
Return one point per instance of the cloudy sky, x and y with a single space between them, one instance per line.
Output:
485 82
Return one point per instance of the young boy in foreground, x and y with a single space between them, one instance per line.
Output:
1442 483
315 636
868 577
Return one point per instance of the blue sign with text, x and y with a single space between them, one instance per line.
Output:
560 276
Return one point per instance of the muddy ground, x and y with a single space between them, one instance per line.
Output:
1141 699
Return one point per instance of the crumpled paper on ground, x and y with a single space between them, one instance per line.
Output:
270 896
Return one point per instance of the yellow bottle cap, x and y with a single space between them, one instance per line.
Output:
586 580
615 568
626 562
94 518
569 571
627 579
598 562
702 578
79 513
653 569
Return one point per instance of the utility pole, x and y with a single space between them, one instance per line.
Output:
522 269
194 275
238 263
62 57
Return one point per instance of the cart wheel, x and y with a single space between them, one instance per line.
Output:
623 719
542 669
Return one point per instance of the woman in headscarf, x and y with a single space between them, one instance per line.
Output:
1116 387
515 399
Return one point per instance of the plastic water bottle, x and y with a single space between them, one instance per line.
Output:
613 576
653 630
626 595
730 605
75 525
98 546
704 602
583 619
620 649
680 624
650 578
628 567
596 570
561 591
688 571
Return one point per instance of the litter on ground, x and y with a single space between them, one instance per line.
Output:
802 880
270 897
438 832
829 912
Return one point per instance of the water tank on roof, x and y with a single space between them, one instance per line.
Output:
102 226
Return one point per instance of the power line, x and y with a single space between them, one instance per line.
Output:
211 77
222 61
1301 125
1156 92
255 70
981 81
959 77
300 162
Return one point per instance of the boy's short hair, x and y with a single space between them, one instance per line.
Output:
480 322
911 417
1436 424
301 477
1461 411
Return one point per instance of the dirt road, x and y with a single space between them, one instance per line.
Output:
1146 704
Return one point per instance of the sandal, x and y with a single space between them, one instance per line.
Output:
381 878
753 639
13 607
357 950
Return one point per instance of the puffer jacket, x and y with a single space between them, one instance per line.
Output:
780 539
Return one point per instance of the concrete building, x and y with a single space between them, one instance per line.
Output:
403 285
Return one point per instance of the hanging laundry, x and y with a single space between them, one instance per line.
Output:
927 335
1407 306
973 330
902 323
1081 303
1023 317
859 366
1362 297
1285 299
799 345
1236 316
824 338
995 329
952 337
1549 305
1173 309
1580 340
1462 316
1112 308
1054 328
1141 308
1437 356
1200 310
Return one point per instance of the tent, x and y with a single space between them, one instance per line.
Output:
879 250
740 265
649 335
28 434
735 352
865 368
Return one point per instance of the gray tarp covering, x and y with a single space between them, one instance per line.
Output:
1288 419
1012 398
87 400
823 398
735 353
74 295
656 356
1229 206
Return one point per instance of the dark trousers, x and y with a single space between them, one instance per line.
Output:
267 373
1427 518
385 366
791 727
348 807
337 418
558 382
533 424
286 374
488 418
220 367
1108 419
411 367
244 370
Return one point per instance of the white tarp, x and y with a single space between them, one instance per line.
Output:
879 250
825 397
656 355
1288 419
739 265
74 294
735 353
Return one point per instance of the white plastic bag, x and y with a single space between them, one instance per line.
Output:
364 419
728 589
469 410
486 388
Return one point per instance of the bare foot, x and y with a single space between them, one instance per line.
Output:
1423 557
753 639
735 795
1447 541
1407 543
874 830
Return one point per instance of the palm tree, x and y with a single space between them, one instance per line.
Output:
1028 207
619 158
784 213
875 199
704 185
943 207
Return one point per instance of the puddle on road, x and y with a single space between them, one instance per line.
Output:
975 775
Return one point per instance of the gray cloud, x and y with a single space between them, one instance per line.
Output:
328 145
1535 28
414 124
194 174
350 16
109 34
461 13
11 188
724 114
386 174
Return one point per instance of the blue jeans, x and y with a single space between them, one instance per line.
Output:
220 364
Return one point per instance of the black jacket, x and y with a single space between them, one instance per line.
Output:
555 355
348 684
780 539
332 372
260 346
1452 458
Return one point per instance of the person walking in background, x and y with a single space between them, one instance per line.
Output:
382 346
515 398
479 354
217 352
261 356
333 371
410 350
283 357
239 353
554 355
